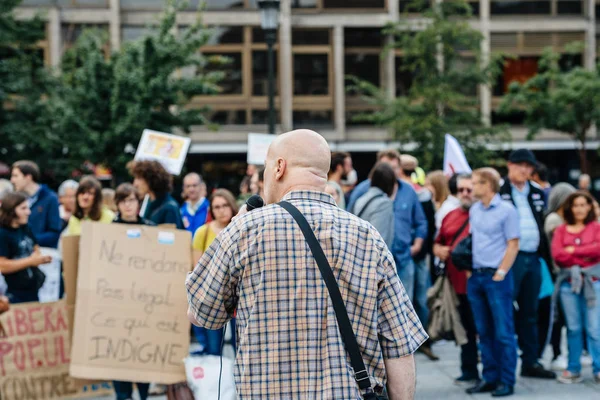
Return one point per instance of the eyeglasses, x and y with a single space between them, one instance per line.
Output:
465 190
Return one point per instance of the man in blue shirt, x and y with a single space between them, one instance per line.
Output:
194 211
495 234
410 226
530 203
45 222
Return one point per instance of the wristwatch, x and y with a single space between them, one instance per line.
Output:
501 272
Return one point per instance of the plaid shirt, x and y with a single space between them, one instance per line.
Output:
289 346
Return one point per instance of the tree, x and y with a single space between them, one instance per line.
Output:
24 85
105 101
560 99
446 65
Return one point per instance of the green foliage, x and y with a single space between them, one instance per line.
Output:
24 116
562 100
105 102
446 66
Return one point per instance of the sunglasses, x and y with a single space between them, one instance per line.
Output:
466 190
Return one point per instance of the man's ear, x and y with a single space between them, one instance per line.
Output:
281 166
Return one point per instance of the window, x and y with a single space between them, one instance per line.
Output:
569 7
310 37
363 66
311 74
312 119
353 3
403 79
304 3
516 70
511 7
219 4
71 32
141 5
231 65
414 6
363 37
229 117
131 33
261 117
226 35
260 78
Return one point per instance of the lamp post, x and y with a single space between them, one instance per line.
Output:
269 20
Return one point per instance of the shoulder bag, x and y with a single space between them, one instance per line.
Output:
360 371
441 267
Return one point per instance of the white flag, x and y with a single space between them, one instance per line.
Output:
455 161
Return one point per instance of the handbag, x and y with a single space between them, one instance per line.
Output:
462 255
179 391
440 268
341 314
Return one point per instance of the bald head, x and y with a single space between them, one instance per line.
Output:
296 160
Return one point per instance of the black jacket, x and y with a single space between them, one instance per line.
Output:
537 203
164 210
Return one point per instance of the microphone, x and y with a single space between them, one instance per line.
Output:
255 201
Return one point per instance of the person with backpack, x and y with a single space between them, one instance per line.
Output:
376 205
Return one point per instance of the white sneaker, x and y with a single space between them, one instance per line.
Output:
559 364
586 360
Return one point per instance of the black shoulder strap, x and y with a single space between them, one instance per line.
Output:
360 371
459 231
367 204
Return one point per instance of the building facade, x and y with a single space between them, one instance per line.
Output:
321 41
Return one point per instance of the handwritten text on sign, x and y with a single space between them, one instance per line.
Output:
130 316
34 357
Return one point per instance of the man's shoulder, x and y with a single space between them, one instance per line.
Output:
46 194
457 213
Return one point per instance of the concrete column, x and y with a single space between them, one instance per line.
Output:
114 24
590 36
485 91
54 36
339 95
285 66
390 58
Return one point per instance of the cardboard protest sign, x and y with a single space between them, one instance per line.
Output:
50 291
169 150
35 355
258 145
130 312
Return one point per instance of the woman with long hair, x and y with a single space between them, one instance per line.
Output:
223 208
576 250
88 207
19 252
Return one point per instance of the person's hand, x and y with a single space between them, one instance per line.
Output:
498 276
442 252
4 304
243 210
570 249
469 273
36 258
415 249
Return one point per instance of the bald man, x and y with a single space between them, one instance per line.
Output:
288 342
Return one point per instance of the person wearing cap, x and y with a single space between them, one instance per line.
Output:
529 200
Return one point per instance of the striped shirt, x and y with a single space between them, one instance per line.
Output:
289 345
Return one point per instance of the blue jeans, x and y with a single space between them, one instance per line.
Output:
527 275
492 307
579 317
422 283
124 390
406 273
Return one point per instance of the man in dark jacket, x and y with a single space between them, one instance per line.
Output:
529 200
45 222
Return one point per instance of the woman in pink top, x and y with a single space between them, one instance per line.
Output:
576 249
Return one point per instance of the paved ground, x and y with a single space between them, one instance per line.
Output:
435 380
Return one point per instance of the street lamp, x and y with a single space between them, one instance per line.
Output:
269 21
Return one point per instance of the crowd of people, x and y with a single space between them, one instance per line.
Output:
524 236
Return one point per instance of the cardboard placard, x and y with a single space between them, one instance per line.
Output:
258 145
130 313
170 150
34 357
